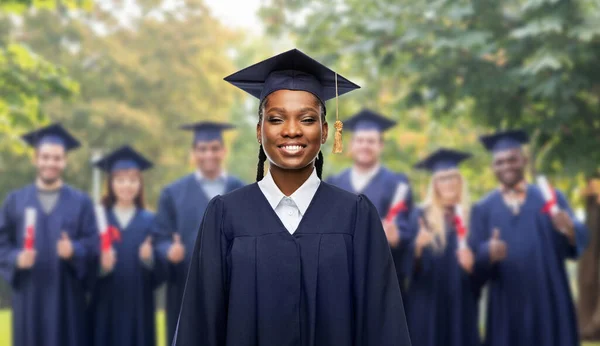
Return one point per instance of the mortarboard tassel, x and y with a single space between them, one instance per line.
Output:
338 146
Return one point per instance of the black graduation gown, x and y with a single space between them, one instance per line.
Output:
441 304
380 190
48 300
252 283
530 302
180 209
122 302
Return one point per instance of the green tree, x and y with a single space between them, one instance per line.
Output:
140 80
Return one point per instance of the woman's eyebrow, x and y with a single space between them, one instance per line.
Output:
276 109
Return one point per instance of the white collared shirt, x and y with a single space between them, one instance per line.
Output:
360 180
212 187
290 210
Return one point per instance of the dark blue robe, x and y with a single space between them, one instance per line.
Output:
122 302
529 297
441 305
180 209
331 283
49 299
380 190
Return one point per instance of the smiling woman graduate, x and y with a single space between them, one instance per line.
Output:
291 260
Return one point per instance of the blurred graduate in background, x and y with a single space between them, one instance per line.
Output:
122 302
442 297
389 191
291 260
521 241
181 206
48 240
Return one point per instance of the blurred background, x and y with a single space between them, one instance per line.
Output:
133 71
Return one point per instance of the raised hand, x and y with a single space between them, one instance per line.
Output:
176 252
466 259
391 232
26 259
64 247
564 224
424 238
497 247
108 259
145 251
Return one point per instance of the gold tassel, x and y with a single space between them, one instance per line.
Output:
338 146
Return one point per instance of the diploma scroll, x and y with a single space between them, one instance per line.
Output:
461 230
107 233
398 202
30 218
549 195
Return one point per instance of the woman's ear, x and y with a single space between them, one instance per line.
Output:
259 133
325 131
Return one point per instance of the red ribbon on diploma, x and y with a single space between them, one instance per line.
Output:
550 203
461 230
111 235
394 211
29 238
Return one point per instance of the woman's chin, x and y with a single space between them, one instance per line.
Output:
292 165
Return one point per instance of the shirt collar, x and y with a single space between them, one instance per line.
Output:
520 188
368 174
302 196
200 177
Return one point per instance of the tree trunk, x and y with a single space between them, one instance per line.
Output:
588 305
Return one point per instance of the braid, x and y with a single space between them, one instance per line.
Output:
319 165
260 170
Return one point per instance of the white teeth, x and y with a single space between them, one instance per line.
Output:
292 148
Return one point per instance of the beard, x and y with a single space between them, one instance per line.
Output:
49 180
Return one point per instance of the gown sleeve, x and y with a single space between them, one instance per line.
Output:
379 312
203 316
8 249
478 240
423 265
164 223
157 267
86 247
581 232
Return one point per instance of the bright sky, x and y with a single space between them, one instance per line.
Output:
237 13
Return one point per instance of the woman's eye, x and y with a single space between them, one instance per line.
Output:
275 120
309 120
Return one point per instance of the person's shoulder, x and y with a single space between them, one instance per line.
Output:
12 195
235 182
333 179
487 199
340 197
240 195
393 175
146 214
77 194
179 184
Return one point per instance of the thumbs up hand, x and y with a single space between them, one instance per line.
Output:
64 247
26 259
108 259
497 247
145 251
424 238
177 250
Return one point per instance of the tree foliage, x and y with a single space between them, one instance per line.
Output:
495 64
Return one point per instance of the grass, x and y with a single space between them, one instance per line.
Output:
5 329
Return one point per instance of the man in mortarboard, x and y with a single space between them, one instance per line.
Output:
371 178
181 207
521 240
48 239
